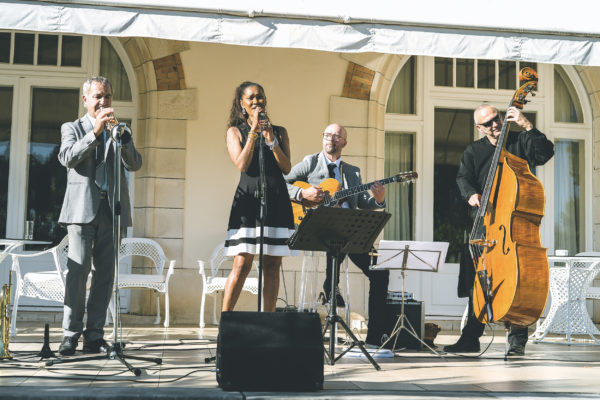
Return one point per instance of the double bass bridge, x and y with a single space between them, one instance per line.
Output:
483 243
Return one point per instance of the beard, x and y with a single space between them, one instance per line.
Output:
331 148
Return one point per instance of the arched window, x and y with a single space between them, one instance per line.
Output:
429 123
399 153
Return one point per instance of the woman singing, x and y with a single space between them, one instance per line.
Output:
243 231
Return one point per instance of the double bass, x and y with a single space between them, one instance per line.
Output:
512 275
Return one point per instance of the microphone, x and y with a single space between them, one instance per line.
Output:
119 130
262 119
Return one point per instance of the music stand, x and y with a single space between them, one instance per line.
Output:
417 256
337 231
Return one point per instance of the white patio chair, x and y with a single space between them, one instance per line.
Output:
156 281
9 245
211 284
44 285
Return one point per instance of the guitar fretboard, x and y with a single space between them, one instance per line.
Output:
363 188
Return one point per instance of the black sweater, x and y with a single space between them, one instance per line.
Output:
532 146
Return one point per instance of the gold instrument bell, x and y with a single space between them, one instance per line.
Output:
5 319
110 124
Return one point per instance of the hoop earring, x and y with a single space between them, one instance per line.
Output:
245 113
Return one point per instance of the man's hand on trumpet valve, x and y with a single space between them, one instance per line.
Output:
103 119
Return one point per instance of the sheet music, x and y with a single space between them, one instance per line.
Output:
421 256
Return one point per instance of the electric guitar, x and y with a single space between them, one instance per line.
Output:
332 193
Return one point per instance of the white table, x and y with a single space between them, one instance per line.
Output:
570 278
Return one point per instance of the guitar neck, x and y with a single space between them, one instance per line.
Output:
359 189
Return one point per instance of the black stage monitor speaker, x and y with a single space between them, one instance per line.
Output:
415 314
280 351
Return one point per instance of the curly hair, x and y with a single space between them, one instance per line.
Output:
236 116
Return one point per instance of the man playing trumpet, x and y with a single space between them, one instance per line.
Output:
88 154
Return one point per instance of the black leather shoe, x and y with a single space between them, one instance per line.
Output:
516 350
68 345
464 345
339 300
95 346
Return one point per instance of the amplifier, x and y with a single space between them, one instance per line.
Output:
270 351
397 296
415 314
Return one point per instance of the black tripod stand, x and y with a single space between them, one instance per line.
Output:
115 350
337 231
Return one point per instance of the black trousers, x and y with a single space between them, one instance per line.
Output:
378 287
473 329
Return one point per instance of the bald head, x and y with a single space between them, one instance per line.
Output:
334 140
488 122
483 111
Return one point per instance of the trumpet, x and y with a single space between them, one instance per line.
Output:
111 123
113 126
5 319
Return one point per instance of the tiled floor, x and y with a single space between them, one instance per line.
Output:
547 370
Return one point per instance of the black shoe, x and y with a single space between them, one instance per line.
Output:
464 345
516 350
323 298
68 345
339 300
95 346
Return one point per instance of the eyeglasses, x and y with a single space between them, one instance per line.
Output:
333 137
491 121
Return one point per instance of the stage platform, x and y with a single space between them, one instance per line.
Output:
546 371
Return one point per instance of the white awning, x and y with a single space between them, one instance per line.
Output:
537 31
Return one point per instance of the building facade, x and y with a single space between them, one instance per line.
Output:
402 112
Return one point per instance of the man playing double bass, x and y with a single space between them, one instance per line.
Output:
530 145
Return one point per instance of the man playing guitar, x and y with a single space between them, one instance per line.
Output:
314 169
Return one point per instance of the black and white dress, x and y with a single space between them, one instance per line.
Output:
243 230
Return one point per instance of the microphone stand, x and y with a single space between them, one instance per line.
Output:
262 194
115 350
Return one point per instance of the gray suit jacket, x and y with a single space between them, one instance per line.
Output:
313 169
78 154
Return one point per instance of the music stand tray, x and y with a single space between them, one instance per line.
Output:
337 231
409 255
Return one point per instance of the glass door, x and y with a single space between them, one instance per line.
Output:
453 132
569 206
46 182
6 102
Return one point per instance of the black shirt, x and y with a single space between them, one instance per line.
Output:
532 146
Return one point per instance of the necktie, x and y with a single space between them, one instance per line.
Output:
100 163
331 168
